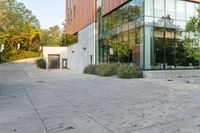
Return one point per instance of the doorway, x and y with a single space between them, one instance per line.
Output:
164 48
54 61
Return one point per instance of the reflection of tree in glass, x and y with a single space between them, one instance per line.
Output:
192 39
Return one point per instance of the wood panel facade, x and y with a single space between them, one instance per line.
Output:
196 0
110 5
79 14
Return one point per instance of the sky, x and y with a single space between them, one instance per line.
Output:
48 12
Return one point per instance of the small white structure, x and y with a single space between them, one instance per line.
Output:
55 57
75 57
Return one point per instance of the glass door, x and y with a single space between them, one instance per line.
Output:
164 48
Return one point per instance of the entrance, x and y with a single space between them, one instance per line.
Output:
164 48
54 61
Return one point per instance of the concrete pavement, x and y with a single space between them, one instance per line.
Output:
40 101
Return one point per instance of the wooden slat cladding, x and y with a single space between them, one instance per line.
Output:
85 14
110 5
196 0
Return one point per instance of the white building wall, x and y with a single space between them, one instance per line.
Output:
62 51
79 55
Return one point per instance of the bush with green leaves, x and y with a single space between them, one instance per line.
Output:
127 71
41 63
107 69
90 69
22 54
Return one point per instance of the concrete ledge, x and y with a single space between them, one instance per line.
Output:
171 74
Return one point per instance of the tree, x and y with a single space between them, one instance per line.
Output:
56 37
18 25
51 37
67 39
63 38
192 39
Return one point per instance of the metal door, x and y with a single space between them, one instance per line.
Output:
54 61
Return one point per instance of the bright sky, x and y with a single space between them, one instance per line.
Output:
49 12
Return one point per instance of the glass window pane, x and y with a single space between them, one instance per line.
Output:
170 8
159 8
139 22
170 23
180 10
149 7
140 4
132 10
159 22
196 11
149 21
149 48
124 10
158 53
180 25
190 10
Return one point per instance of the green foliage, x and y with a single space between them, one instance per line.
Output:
90 69
71 39
192 48
120 43
18 25
125 71
129 71
107 69
41 63
56 37
192 39
21 54
51 36
67 39
3 61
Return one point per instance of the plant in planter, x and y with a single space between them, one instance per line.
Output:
90 69
129 71
107 69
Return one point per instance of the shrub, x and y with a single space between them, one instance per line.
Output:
129 71
90 69
41 63
107 69
21 54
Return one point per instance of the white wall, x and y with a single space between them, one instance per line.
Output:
80 57
62 51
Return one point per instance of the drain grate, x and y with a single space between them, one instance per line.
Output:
40 81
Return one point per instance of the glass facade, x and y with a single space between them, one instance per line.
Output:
149 33
121 34
165 21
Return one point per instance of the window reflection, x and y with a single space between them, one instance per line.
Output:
166 42
159 8
180 10
190 10
170 8
149 7
159 25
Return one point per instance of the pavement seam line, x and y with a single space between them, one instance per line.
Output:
60 96
30 100
74 106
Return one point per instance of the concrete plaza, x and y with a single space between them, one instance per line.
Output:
40 101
